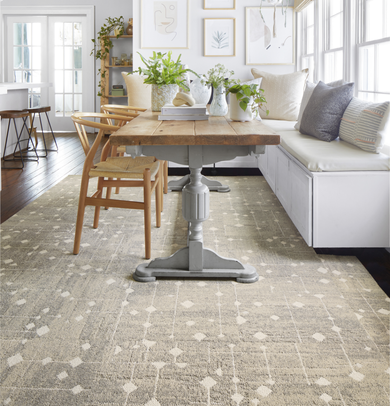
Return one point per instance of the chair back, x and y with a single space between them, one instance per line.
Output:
83 120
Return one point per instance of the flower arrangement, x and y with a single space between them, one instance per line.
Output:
250 95
219 75
164 71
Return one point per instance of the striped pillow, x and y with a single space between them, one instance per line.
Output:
363 124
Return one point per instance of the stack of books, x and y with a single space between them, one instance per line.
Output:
195 112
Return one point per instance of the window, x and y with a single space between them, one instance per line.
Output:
308 40
373 82
350 40
333 47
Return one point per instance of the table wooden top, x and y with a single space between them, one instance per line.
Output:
146 129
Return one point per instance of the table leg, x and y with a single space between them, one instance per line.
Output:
194 261
213 185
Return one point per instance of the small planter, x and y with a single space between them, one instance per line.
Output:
237 113
163 94
219 106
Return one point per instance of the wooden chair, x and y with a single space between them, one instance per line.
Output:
131 112
143 172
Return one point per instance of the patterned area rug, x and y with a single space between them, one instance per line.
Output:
78 330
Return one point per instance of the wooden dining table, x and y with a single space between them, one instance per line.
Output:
195 144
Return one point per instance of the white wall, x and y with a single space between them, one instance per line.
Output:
193 56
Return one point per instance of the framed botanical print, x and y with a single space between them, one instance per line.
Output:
164 24
219 37
219 4
270 36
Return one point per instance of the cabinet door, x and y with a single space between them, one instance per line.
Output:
283 180
271 166
301 212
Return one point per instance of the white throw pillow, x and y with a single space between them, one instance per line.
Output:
307 94
283 93
138 93
366 124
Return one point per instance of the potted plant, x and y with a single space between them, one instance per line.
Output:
165 75
245 101
219 78
103 43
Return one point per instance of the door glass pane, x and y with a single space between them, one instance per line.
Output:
77 34
68 104
26 57
18 57
78 81
58 58
36 58
68 34
77 102
17 33
27 34
58 81
78 58
68 81
68 59
58 33
59 105
36 34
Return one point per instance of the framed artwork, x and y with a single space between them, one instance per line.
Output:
164 24
270 36
219 4
219 37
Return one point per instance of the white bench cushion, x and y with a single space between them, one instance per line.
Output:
321 156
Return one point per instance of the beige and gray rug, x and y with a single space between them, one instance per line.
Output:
78 330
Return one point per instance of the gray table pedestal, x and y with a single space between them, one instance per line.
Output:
195 261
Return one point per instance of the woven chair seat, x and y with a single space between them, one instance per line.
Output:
125 167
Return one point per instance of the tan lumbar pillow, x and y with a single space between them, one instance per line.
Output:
283 93
183 99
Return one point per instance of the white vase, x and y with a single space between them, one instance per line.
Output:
200 92
162 95
219 106
237 113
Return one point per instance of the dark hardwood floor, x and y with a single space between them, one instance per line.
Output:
22 186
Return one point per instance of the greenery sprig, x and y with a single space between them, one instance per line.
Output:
103 43
219 75
164 71
250 95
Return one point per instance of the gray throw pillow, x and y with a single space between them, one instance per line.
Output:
326 106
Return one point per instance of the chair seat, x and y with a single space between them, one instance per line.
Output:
39 109
125 167
13 114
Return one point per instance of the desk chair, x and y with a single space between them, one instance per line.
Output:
142 172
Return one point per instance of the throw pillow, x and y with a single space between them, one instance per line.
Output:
283 93
326 106
138 94
365 124
307 94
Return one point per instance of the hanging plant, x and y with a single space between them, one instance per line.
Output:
103 43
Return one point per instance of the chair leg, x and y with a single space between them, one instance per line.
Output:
108 193
147 212
158 193
97 208
80 215
165 177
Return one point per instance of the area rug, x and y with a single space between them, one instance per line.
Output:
78 330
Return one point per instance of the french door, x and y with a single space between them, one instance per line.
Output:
53 49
